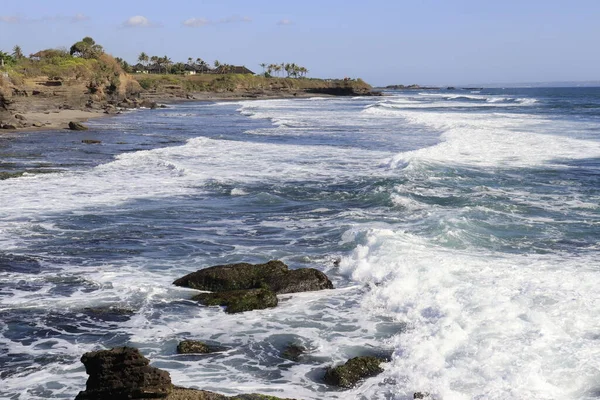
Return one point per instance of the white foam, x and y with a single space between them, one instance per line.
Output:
484 325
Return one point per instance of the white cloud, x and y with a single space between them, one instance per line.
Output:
198 22
285 22
138 21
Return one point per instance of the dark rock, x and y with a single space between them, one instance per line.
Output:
148 104
348 375
8 126
20 117
237 301
36 92
122 373
38 124
196 347
91 141
420 395
275 275
293 352
76 126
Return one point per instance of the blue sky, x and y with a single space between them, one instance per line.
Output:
432 42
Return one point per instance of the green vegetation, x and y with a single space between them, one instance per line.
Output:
235 82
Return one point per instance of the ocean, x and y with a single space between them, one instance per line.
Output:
461 230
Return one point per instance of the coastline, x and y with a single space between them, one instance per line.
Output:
35 115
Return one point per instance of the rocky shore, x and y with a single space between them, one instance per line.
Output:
50 104
124 373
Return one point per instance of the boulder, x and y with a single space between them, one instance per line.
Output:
20 117
122 373
293 352
348 374
9 126
274 275
236 301
76 126
91 141
196 347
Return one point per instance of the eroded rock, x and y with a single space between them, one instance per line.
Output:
122 373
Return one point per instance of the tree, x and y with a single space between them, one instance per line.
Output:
217 64
17 52
86 48
263 65
143 58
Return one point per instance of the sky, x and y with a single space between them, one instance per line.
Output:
428 42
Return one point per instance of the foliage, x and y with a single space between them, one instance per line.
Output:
86 48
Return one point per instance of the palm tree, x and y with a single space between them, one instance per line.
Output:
217 64
143 58
17 52
263 65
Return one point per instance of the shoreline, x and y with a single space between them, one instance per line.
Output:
53 117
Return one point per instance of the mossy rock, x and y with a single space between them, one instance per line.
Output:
196 347
274 275
237 301
348 374
293 352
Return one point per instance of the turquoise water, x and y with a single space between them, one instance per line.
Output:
467 224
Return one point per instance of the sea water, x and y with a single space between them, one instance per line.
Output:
461 230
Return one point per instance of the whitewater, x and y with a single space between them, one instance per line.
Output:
460 229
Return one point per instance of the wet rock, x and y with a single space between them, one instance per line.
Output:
76 126
8 126
91 141
348 374
274 275
196 347
148 104
293 352
236 301
421 395
20 117
122 373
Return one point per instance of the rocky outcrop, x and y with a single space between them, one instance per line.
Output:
350 373
122 373
236 301
274 275
76 126
197 347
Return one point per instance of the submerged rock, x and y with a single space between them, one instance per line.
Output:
274 275
91 141
122 373
196 347
76 126
293 352
236 301
357 368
